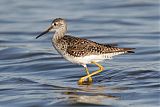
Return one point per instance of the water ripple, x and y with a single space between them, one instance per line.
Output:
33 74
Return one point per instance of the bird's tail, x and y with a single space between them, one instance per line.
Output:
129 50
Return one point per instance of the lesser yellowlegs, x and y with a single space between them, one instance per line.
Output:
81 51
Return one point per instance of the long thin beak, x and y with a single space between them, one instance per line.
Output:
46 31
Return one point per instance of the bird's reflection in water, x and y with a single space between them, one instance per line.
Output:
94 95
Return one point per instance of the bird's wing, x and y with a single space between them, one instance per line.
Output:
82 47
78 46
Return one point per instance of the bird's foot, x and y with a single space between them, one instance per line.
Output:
82 81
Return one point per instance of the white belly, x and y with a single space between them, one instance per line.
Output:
88 59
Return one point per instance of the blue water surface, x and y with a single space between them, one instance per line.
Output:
33 74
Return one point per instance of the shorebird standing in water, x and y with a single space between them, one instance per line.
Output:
81 51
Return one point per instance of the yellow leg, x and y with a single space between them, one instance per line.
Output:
101 68
89 78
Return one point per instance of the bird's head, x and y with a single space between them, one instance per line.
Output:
56 24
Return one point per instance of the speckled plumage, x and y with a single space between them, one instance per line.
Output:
79 47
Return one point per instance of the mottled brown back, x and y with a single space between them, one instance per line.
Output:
79 47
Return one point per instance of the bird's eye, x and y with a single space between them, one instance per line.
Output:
55 24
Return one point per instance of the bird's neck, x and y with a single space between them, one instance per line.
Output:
59 34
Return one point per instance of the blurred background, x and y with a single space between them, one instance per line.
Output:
33 74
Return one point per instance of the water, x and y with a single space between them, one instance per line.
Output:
33 74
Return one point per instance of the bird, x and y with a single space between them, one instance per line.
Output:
80 50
